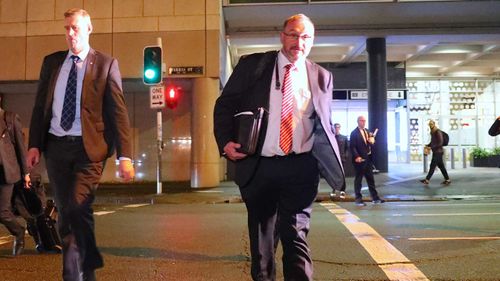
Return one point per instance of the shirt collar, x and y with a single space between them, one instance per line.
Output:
82 55
283 61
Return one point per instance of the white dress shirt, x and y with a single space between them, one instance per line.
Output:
60 91
303 109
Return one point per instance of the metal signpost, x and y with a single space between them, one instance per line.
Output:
157 101
153 76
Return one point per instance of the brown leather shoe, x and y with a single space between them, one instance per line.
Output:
18 246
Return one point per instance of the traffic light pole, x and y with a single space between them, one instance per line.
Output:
159 141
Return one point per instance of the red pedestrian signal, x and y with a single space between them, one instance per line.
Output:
172 97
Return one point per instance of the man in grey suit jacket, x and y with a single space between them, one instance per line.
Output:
12 168
279 182
78 121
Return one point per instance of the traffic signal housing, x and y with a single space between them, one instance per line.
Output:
172 97
152 72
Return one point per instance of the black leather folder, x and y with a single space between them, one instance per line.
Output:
248 124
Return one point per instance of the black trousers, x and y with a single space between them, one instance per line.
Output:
365 169
279 202
437 160
74 178
7 218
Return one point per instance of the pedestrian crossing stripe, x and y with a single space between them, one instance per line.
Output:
394 264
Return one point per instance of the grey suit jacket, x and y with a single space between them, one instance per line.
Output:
12 149
104 116
248 88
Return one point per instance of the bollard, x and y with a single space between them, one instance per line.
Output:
464 158
452 157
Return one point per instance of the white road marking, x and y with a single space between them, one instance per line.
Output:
394 264
456 214
101 213
135 205
453 238
446 205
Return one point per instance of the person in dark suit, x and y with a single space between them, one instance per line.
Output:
344 151
279 182
361 142
12 169
79 119
495 128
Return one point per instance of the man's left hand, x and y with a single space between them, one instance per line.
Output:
27 181
126 170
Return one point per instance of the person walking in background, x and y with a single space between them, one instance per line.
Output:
12 169
436 145
495 128
361 142
79 119
279 182
344 150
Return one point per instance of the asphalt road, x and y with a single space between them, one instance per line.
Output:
445 240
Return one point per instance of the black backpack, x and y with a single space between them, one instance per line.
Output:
446 138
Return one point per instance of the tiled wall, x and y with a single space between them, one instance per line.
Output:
190 32
31 29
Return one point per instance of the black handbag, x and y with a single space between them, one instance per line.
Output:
248 124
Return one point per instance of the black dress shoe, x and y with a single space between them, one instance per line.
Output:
89 275
18 246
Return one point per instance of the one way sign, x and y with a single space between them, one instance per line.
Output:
157 97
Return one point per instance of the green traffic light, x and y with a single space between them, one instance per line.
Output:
149 74
152 65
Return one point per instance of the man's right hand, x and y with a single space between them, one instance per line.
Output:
231 153
359 159
33 157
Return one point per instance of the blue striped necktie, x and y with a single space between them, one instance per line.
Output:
69 106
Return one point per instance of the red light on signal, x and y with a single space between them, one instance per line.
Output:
171 93
172 97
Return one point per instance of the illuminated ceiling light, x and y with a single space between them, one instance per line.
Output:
410 74
465 74
455 49
424 65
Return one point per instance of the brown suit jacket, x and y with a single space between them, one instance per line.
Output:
12 149
104 116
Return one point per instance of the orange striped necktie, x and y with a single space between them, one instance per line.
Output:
286 129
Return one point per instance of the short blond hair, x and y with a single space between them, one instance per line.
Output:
77 11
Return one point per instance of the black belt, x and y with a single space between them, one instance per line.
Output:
65 138
288 156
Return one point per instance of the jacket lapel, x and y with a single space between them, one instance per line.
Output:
53 80
88 79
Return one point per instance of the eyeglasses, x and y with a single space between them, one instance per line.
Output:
297 36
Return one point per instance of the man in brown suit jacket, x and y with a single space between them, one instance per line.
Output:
78 120
12 167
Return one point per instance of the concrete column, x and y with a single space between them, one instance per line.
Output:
205 159
376 69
